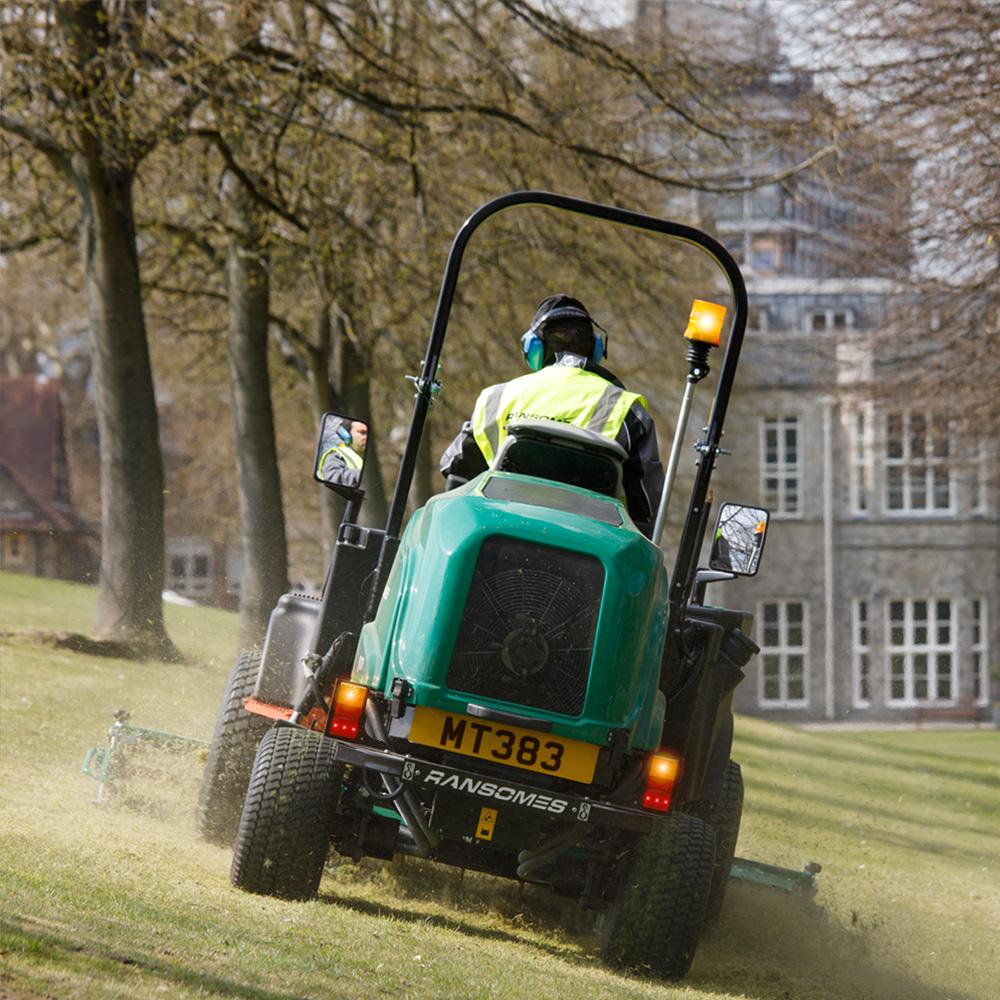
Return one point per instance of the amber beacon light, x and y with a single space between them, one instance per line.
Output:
705 322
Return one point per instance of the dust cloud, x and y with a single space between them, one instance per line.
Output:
768 944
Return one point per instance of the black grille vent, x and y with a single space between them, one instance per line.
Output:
527 632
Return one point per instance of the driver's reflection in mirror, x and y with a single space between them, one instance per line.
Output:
343 456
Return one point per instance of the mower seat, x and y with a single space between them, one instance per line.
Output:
563 453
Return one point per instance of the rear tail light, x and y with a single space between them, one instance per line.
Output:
348 708
661 776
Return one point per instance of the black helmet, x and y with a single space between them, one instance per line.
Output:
562 310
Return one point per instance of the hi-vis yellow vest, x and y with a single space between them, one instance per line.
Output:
347 455
558 392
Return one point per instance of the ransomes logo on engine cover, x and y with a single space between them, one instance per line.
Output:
501 793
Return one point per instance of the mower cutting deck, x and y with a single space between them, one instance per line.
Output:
99 762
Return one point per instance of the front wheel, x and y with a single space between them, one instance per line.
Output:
657 918
287 820
230 755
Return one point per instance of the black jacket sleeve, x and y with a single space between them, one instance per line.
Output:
463 458
642 474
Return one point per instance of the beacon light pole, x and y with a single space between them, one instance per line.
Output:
703 332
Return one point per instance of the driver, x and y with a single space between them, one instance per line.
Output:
343 462
568 384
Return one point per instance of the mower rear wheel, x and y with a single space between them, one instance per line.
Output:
230 755
725 820
287 820
656 920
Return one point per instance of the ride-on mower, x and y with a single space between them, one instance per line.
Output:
514 685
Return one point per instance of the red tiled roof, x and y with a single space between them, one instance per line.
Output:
31 441
36 514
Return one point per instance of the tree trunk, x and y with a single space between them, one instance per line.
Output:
262 518
130 584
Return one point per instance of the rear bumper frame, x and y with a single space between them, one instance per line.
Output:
413 772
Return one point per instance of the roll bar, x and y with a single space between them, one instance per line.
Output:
694 525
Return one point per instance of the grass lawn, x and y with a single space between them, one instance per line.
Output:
98 901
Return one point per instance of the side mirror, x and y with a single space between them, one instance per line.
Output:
340 454
739 539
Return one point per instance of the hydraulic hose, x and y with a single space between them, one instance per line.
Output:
530 861
406 803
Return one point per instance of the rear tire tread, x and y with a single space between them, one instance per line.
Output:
656 921
725 820
287 820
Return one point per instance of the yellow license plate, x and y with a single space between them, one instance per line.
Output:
496 741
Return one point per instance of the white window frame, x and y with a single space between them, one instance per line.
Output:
861 478
932 649
977 479
783 650
828 320
906 462
782 470
861 628
979 648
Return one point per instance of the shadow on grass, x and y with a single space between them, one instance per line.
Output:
569 952
865 817
874 742
60 953
929 762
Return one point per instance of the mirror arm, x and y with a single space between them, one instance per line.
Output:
706 576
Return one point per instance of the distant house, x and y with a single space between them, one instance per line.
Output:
40 533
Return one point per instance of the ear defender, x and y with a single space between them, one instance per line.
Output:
600 351
534 350
344 434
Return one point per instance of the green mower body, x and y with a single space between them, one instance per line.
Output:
513 684
527 597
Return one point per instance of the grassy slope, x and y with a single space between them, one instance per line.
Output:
101 902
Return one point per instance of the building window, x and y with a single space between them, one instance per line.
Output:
780 464
918 464
976 478
862 655
765 254
190 565
15 551
758 319
980 659
783 654
921 651
824 320
859 464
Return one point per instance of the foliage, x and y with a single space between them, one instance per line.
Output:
922 78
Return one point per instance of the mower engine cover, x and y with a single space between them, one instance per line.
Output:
520 596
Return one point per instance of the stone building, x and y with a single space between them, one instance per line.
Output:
878 595
879 591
